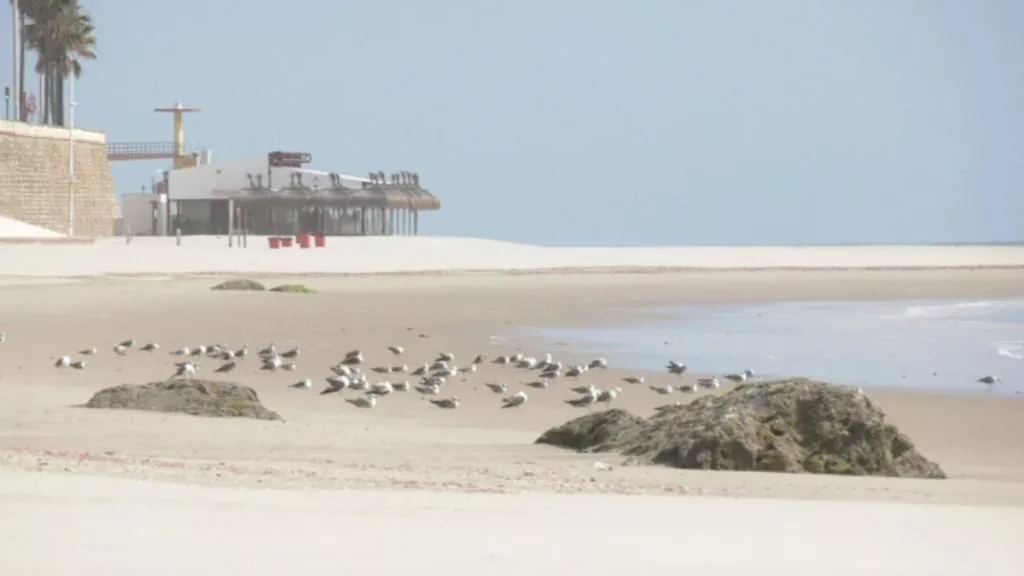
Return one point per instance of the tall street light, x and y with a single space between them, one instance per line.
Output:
71 155
16 40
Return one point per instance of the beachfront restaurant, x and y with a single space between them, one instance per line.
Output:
376 208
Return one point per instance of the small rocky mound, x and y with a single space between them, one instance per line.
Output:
782 426
293 289
195 397
240 285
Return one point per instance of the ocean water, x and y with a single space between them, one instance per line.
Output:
908 344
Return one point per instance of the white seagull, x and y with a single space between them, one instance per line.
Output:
63 362
396 350
227 367
446 403
607 396
497 388
335 384
368 401
710 383
515 400
990 380
306 383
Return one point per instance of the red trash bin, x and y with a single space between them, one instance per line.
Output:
286 241
305 241
274 242
321 240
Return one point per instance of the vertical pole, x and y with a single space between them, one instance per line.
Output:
416 222
71 155
16 38
231 222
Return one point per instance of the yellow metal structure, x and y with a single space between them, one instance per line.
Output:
181 157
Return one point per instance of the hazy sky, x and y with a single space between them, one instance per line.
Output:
599 122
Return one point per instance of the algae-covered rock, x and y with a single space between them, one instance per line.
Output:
240 285
595 432
195 397
781 426
294 289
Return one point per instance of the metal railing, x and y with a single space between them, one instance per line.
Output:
140 150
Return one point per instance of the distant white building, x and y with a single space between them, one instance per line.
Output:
276 195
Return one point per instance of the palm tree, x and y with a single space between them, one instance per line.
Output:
62 34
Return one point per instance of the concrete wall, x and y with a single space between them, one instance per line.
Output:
34 179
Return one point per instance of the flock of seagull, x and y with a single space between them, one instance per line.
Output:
348 374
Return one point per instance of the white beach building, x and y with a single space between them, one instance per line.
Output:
276 194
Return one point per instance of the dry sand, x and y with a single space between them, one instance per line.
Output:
50 451
397 254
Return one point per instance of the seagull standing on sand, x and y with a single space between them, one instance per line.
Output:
709 383
183 351
271 363
3 337
430 389
368 401
186 370
227 367
306 383
150 347
676 368
607 396
990 380
586 390
633 379
91 351
446 403
584 401
741 377
515 400
128 343
396 350
666 389
78 364
121 350
63 362
497 388
335 384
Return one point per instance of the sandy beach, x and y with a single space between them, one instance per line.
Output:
57 459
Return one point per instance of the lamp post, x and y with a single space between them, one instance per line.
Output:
71 155
16 42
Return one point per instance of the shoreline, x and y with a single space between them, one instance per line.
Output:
405 444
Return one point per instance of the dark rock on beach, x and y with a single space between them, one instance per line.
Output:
240 285
195 397
795 425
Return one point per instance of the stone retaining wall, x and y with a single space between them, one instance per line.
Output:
34 179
